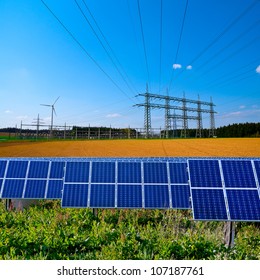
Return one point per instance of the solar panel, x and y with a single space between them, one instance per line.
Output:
102 196
1 182
244 205
13 188
129 172
209 204
75 195
103 172
38 169
17 169
204 173
55 188
129 196
180 196
155 172
57 170
35 189
156 196
178 173
2 168
77 172
238 174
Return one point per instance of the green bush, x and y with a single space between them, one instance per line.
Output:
46 231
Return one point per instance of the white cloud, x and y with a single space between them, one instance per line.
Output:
176 66
189 67
258 69
242 106
115 115
8 112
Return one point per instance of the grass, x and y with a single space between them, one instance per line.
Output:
46 231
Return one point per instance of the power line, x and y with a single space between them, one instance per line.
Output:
106 41
179 42
85 51
161 23
144 47
222 33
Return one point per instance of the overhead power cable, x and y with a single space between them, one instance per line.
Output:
179 41
222 33
143 40
161 25
85 51
104 47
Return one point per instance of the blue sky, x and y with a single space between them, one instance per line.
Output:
216 55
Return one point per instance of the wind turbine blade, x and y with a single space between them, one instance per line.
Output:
54 111
56 100
45 105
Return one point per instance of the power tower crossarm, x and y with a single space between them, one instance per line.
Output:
163 106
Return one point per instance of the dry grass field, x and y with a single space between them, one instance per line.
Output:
235 147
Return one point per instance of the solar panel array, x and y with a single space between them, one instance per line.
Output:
126 184
225 189
215 189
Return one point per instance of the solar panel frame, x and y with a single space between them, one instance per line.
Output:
35 189
77 172
38 169
13 188
156 196
155 173
54 189
244 204
102 196
129 196
72 191
129 172
238 174
209 204
3 165
180 197
205 169
178 173
103 172
17 169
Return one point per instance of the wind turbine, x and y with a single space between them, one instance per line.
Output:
52 111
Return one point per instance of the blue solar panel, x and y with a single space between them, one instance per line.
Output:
55 188
38 169
155 172
77 172
35 189
208 204
2 168
75 195
102 195
178 173
204 173
156 196
244 205
129 196
103 172
129 172
57 170
238 174
13 188
180 196
17 169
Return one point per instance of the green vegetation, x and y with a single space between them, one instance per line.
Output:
47 231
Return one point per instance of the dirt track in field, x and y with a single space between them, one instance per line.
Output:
237 147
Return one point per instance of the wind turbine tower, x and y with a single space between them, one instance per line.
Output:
52 111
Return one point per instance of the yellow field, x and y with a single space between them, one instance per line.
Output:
237 147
